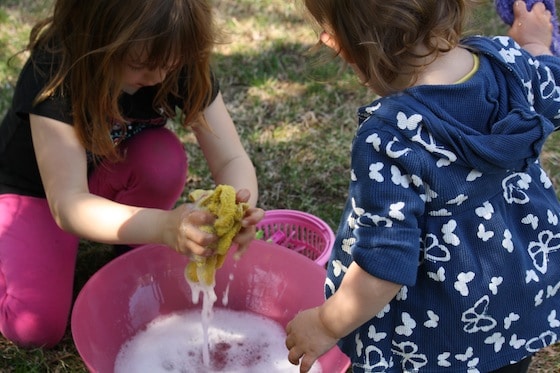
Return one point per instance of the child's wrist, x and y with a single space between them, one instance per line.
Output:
326 324
537 49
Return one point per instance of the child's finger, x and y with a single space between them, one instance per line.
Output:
520 9
242 195
252 216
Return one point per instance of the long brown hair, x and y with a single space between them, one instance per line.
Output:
381 36
91 41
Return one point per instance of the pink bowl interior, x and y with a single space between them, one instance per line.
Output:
134 289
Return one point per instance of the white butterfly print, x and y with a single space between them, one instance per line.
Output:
351 222
552 218
375 141
545 180
531 275
375 362
539 298
429 194
485 211
509 54
385 310
338 268
408 123
502 39
494 283
354 216
475 318
447 157
347 245
539 251
461 285
516 343
469 353
329 286
473 175
393 150
438 276
448 236
374 335
374 172
483 234
497 339
412 361
433 320
548 88
434 251
443 360
371 109
545 339
530 95
552 320
507 242
510 319
458 200
440 212
359 344
417 181
357 210
408 325
531 220
402 294
472 365
399 179
514 187
552 290
395 211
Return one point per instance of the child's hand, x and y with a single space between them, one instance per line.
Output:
532 30
184 234
252 216
307 339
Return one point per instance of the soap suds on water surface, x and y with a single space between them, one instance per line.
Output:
239 342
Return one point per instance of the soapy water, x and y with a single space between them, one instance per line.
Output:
239 342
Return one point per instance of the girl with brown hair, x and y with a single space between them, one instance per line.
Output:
85 151
447 257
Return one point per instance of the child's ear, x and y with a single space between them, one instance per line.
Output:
331 42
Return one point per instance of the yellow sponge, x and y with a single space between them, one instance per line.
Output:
221 203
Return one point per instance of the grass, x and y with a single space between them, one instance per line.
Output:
296 120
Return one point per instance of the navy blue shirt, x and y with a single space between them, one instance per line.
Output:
447 198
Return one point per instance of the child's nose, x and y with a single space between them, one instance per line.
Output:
155 76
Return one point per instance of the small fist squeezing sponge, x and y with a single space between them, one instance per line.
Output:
220 202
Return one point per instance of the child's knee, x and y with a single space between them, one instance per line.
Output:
161 161
32 329
158 145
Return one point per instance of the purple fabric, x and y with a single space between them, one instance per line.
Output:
505 11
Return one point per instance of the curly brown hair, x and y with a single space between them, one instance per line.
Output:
381 37
91 40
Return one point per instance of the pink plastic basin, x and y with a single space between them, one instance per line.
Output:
134 289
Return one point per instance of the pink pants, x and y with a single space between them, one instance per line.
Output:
37 258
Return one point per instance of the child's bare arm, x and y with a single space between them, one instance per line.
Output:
313 332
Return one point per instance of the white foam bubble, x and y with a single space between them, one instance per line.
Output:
240 342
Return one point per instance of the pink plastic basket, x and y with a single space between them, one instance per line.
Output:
298 231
